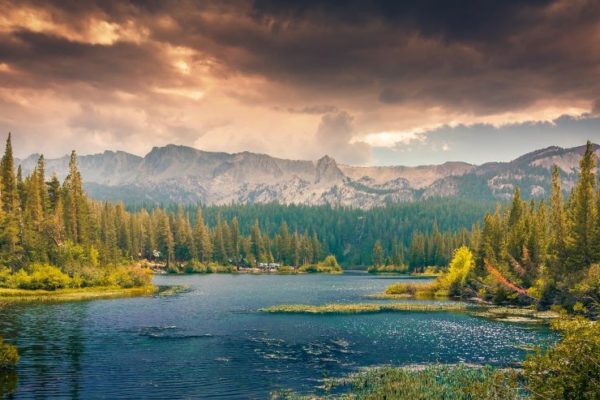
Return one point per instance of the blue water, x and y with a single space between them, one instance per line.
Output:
211 342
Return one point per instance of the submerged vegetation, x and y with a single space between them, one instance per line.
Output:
357 308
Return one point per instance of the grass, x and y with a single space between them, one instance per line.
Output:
21 295
516 314
435 382
361 308
418 290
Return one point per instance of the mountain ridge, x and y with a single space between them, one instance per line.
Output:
183 174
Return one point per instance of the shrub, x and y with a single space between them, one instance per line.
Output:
47 277
460 267
129 276
587 292
570 369
330 261
9 356
329 264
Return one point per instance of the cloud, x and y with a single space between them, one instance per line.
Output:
263 74
474 143
316 109
335 134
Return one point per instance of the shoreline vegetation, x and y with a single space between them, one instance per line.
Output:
73 294
527 254
567 370
497 313
361 308
327 266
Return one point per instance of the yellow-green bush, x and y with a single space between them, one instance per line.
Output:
129 276
571 368
460 267
48 277
45 276
328 265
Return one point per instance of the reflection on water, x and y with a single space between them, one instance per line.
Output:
8 383
210 342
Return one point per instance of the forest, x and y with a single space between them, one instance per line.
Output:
46 223
541 253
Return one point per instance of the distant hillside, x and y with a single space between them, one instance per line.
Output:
186 175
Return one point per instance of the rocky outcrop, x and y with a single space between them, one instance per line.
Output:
186 175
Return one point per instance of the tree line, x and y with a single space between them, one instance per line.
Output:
548 253
44 221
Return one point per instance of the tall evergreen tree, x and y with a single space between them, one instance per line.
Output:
582 214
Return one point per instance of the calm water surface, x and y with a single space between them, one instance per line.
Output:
210 342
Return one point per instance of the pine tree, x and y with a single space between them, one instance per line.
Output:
10 232
557 226
378 255
256 243
75 204
582 214
204 248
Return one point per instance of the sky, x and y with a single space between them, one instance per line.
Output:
366 82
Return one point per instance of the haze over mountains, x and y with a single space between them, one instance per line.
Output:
186 175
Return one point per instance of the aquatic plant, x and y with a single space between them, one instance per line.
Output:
73 294
356 308
435 382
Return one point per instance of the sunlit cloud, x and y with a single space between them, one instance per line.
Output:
295 80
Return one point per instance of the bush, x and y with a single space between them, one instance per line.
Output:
460 267
47 277
9 356
401 269
570 369
328 265
428 289
129 276
37 276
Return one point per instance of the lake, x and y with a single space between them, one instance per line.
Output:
211 342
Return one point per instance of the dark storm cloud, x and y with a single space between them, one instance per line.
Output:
394 67
48 60
473 56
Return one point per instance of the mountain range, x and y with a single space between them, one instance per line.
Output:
180 174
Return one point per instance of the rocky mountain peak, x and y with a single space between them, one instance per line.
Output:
327 170
183 174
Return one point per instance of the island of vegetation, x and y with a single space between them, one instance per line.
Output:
354 308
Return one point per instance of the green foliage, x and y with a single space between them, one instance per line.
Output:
436 382
570 369
528 255
357 308
9 355
398 269
48 277
328 265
